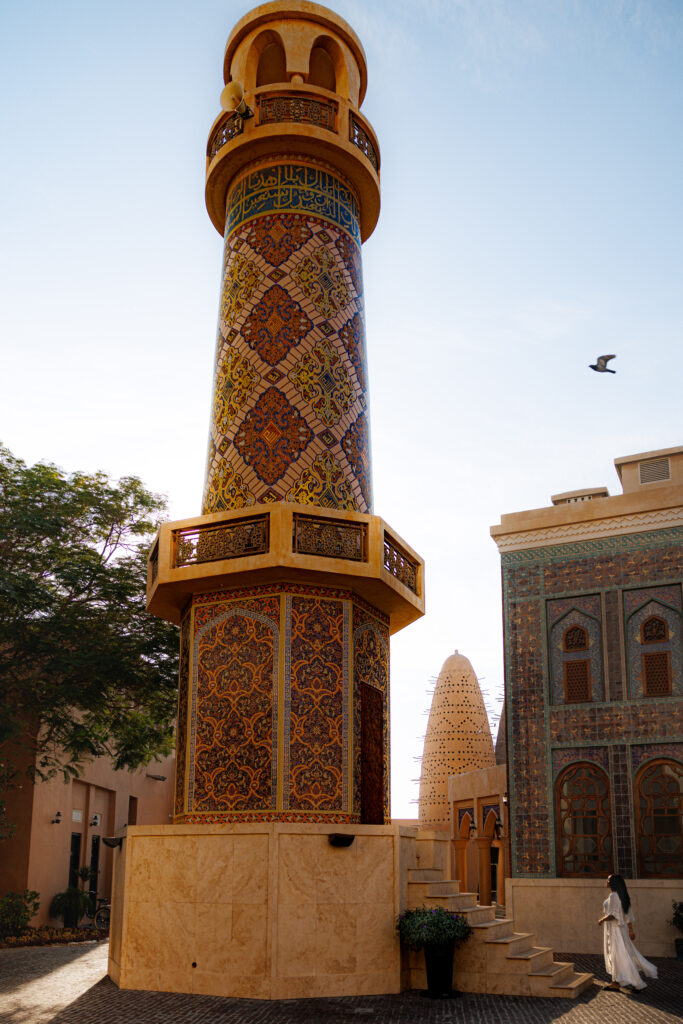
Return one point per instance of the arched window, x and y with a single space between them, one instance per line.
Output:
656 664
659 804
321 69
577 671
582 810
272 66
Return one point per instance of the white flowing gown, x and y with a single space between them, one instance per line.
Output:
622 959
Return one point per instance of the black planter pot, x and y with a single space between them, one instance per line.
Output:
679 948
439 966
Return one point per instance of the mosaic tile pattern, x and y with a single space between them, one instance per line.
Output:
318 689
539 585
272 676
562 615
622 811
182 717
640 605
290 390
371 668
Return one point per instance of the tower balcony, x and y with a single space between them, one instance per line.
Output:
284 541
294 119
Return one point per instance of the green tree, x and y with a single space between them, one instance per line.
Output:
84 670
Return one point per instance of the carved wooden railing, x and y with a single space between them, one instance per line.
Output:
235 539
359 137
329 538
276 105
400 564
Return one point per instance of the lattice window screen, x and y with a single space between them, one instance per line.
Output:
577 683
656 677
654 631
576 639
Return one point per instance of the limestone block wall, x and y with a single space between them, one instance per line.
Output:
268 910
562 912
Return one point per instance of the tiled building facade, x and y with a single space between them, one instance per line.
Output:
593 618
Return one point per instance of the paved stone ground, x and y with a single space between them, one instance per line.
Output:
68 985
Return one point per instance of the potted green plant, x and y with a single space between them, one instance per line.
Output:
677 922
439 932
74 902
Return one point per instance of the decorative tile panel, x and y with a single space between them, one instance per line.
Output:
292 319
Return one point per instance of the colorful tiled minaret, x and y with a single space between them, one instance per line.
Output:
287 587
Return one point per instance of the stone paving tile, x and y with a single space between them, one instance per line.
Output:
68 985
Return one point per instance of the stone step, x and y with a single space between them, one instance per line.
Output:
460 901
478 915
529 961
572 987
424 875
516 942
445 887
541 978
498 928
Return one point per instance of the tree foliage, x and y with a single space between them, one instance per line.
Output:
84 670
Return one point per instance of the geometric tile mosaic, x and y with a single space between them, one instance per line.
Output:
271 678
544 590
291 320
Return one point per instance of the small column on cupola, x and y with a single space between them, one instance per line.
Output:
287 587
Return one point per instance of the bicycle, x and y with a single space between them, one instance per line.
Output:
100 915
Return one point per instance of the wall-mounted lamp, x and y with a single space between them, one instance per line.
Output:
505 799
340 839
95 820
232 98
57 820
157 778
498 828
112 841
473 830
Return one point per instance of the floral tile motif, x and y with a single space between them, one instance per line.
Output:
235 378
352 335
350 253
356 446
324 485
239 282
227 490
320 378
276 237
272 436
276 324
322 281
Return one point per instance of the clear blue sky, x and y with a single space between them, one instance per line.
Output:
532 219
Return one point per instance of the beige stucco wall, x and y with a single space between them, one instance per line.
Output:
38 856
268 910
563 912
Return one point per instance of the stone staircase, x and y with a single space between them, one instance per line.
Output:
496 958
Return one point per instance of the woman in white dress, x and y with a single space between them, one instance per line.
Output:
622 959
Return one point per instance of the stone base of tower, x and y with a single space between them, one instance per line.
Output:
260 911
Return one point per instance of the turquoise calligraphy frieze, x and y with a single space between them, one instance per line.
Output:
293 188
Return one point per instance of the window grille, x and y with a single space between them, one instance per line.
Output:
659 800
577 682
654 631
576 639
582 809
656 674
654 470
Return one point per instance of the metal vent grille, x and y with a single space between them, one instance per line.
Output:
653 470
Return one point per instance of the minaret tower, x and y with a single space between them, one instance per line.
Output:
287 587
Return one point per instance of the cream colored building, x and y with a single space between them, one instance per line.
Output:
60 826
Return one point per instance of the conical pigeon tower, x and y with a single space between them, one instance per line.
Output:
458 737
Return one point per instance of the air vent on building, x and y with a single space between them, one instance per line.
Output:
654 470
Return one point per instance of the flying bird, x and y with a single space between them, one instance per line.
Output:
601 365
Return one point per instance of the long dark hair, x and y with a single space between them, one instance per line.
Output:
618 885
